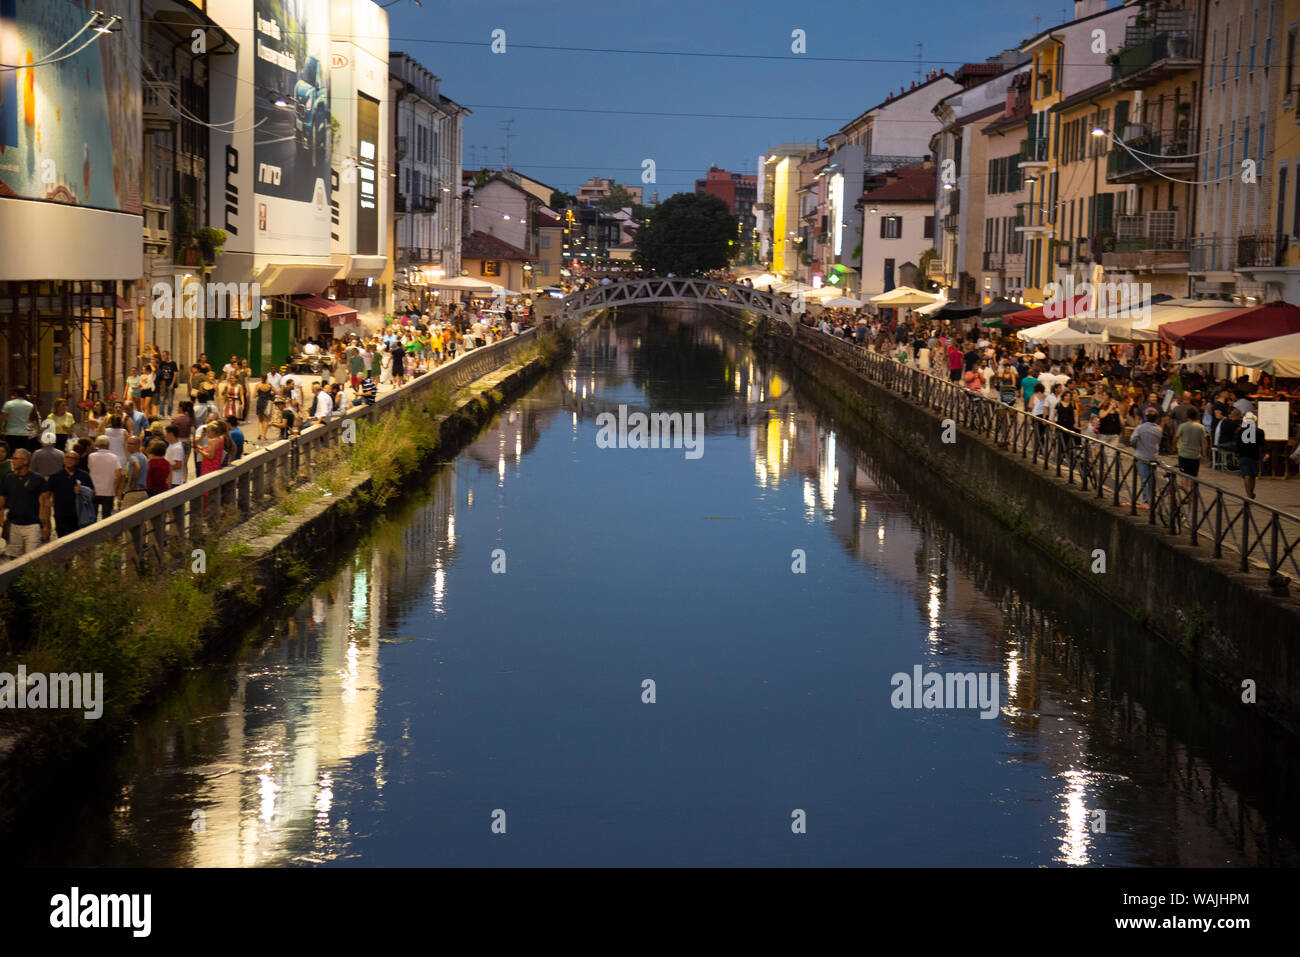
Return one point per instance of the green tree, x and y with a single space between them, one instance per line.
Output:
688 233
618 198
923 280
560 200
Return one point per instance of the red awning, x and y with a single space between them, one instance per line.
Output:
1233 326
1034 317
323 306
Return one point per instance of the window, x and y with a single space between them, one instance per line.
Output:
1227 42
1295 218
1245 139
543 268
544 241
491 267
1261 139
1289 82
1281 200
891 227
1232 145
889 275
929 228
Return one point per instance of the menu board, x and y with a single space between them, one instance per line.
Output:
1274 420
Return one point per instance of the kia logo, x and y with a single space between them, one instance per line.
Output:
338 61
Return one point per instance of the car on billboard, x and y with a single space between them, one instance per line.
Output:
311 111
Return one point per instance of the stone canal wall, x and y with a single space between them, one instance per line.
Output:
1229 622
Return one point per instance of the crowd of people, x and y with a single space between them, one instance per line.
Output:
1150 404
59 474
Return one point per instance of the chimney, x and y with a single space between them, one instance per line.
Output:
1011 102
1086 8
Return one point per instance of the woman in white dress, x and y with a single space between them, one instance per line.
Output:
385 368
117 439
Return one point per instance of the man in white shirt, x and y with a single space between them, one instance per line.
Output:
175 455
106 474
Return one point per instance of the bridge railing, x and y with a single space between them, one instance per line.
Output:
151 531
680 289
1264 539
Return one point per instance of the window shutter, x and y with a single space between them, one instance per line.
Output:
883 221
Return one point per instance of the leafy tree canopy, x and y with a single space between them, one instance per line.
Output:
618 198
688 233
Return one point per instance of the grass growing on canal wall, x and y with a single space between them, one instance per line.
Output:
96 617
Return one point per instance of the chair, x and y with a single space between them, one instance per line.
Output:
1223 460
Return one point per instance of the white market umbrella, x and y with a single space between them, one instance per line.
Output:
1058 333
904 297
1279 356
765 280
465 284
843 302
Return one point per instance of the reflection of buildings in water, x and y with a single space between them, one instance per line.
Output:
307 705
514 434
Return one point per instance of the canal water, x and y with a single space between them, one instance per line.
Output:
558 653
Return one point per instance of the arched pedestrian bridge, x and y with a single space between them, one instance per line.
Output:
629 292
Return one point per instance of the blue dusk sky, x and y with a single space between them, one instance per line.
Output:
807 98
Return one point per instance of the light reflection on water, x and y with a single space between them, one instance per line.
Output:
414 689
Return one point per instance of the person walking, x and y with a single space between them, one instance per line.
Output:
64 422
107 476
24 507
65 489
116 435
137 467
1193 441
264 396
1145 439
18 412
1247 439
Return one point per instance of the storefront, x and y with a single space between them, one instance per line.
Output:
320 318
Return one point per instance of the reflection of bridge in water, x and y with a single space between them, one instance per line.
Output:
733 416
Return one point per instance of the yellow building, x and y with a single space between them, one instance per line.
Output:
1064 66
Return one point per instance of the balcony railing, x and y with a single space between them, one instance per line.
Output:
1031 214
1265 250
1151 154
994 260
1174 44
1225 253
1033 150
950 222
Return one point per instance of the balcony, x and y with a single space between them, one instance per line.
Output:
1151 242
1031 217
1261 251
1207 254
1063 254
950 222
1033 153
1169 46
1151 154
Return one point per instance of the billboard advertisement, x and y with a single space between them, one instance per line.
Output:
367 175
70 131
292 110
